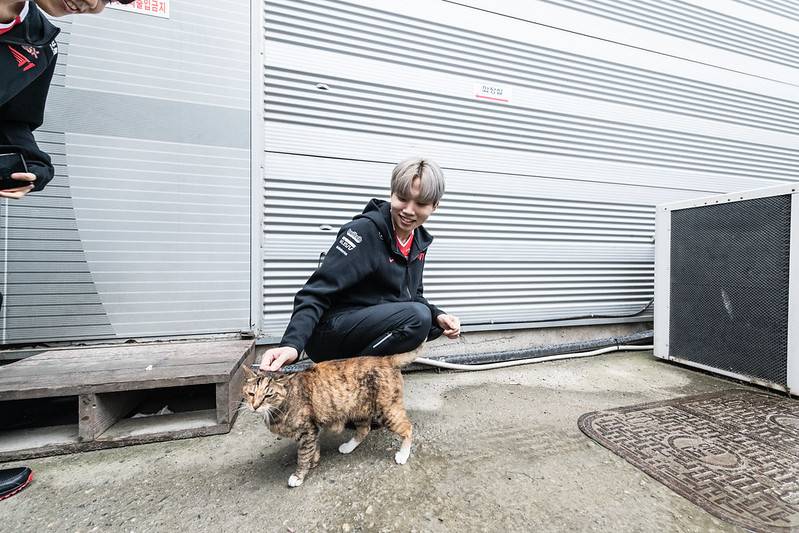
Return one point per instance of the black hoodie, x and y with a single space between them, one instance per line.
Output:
27 60
364 267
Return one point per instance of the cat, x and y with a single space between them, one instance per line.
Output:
329 395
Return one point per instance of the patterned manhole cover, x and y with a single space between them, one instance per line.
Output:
733 453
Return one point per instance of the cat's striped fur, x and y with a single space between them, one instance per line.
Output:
329 395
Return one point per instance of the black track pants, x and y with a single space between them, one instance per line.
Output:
383 329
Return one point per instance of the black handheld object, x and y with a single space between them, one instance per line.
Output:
10 163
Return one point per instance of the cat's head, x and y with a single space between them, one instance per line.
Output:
264 392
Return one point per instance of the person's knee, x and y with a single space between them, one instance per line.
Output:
420 322
421 318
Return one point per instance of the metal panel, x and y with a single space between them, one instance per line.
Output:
200 54
793 300
549 210
729 286
65 24
662 310
660 46
696 23
146 229
783 8
775 254
192 276
374 34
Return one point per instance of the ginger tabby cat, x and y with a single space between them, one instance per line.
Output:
328 395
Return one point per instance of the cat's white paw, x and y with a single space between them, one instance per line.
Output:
348 446
401 457
294 481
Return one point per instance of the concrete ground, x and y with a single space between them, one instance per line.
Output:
494 451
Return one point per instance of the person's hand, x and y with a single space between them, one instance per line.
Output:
450 324
275 358
18 192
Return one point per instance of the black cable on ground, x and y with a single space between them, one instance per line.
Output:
641 337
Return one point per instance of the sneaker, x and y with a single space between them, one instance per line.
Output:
13 480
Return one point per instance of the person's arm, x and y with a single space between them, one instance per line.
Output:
346 263
17 137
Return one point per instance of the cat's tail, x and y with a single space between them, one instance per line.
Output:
403 359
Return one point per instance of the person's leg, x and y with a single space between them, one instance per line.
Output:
383 329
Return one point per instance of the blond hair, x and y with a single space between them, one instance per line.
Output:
431 179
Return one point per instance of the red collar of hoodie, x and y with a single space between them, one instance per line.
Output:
6 26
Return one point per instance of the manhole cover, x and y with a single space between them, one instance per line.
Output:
733 453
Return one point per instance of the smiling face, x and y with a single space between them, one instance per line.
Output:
408 210
60 8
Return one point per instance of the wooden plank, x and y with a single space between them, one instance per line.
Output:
179 425
159 364
212 353
133 351
97 382
36 438
222 406
138 360
17 384
98 412
87 404
111 382
94 355
135 358
61 449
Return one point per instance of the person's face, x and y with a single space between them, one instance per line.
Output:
59 8
409 213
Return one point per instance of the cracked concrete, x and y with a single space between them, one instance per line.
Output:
493 451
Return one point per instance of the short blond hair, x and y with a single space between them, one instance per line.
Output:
429 173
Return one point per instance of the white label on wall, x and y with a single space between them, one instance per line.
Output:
157 8
492 91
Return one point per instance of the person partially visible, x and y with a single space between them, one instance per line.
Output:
367 297
28 53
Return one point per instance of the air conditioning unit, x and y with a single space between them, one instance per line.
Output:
727 285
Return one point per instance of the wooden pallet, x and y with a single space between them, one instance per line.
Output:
89 398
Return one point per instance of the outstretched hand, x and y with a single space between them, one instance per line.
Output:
450 324
275 358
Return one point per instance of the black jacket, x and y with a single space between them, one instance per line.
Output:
362 268
27 60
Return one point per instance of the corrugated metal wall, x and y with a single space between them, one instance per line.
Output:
145 230
549 210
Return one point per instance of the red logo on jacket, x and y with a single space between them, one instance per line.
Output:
22 62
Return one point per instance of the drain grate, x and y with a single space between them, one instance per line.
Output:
733 453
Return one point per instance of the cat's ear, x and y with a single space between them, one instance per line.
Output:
249 373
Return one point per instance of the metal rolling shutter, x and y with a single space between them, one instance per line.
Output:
549 210
145 230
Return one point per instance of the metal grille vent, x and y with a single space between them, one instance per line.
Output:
729 286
